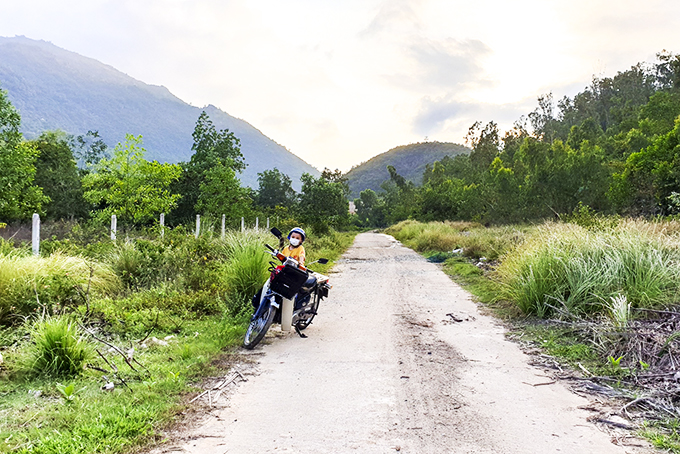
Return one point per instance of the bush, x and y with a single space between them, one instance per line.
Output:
475 240
246 269
57 348
566 267
29 283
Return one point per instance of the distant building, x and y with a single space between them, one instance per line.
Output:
352 208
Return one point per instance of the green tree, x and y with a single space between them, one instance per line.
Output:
221 193
210 148
19 196
370 209
88 149
323 203
650 178
275 189
485 143
129 186
57 175
336 176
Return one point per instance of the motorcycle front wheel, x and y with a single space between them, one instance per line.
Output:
259 326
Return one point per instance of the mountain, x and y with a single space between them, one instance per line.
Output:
53 88
408 160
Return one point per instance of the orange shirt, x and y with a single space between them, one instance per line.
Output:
297 253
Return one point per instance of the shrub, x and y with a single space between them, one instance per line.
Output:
475 240
566 267
57 348
29 283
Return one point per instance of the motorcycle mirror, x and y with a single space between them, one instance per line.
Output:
322 261
277 233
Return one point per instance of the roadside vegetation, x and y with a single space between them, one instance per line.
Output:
597 296
102 343
565 225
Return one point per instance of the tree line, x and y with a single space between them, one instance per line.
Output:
613 148
61 176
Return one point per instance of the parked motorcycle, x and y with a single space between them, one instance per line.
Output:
289 281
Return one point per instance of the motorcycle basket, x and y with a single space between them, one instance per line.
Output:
288 281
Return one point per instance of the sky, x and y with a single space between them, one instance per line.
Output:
338 82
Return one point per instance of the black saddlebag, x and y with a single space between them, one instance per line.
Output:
288 281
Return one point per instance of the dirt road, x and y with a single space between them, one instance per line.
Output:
386 370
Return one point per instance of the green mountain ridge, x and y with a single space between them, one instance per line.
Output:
53 88
409 161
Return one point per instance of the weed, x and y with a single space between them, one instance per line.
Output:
615 362
474 240
29 283
57 348
68 392
663 434
582 269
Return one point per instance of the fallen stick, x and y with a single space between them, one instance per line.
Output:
112 366
116 349
197 397
228 382
540 384
221 385
624 409
615 424
217 396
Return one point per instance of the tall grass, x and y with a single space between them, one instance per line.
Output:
475 240
57 348
567 268
28 282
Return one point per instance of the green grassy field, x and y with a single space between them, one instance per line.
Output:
175 307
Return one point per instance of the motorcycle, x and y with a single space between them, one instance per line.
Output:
288 282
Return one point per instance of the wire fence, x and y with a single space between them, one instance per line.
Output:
33 232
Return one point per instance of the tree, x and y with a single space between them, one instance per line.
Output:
19 196
543 119
401 197
210 148
485 143
370 209
651 177
129 186
323 203
57 175
88 149
221 193
275 189
336 176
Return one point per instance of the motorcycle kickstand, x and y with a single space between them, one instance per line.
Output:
300 333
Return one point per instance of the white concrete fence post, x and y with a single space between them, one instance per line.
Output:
243 225
35 235
162 225
198 225
224 225
257 224
267 224
114 227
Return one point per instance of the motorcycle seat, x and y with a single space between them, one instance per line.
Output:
309 284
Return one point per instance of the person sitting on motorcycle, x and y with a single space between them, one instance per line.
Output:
295 249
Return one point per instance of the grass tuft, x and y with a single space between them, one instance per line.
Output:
57 349
567 268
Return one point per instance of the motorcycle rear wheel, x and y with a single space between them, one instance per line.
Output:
259 326
315 306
